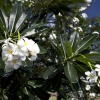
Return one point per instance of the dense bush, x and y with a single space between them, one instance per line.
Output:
48 46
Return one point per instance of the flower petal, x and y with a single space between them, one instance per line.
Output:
87 73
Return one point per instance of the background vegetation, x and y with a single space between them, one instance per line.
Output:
69 46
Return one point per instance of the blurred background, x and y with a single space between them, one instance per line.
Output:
94 9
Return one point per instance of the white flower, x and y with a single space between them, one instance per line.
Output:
29 48
36 48
79 29
43 39
83 8
97 69
87 87
7 40
71 25
90 26
88 1
26 45
8 51
91 76
60 14
34 53
98 83
84 15
75 20
95 32
20 53
92 95
15 63
52 36
54 16
14 54
52 25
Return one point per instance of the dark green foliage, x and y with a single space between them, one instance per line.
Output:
61 61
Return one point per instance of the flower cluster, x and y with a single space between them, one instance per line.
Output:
75 20
92 77
84 7
13 54
84 15
88 1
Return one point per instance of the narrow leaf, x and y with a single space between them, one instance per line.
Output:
21 20
34 84
12 17
50 72
83 60
68 49
42 50
95 56
74 39
63 46
31 28
86 42
4 19
2 25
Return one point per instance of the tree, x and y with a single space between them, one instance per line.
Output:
45 50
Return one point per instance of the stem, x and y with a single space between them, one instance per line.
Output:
18 35
90 65
5 35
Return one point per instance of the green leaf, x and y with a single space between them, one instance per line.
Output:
31 28
74 39
1 41
86 42
68 49
57 47
43 95
81 68
50 72
4 19
83 59
34 84
42 50
27 63
93 56
62 44
71 72
1 72
19 12
2 25
1 63
20 21
12 17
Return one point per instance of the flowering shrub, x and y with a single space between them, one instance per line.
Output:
48 46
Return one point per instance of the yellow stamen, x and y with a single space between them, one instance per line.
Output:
10 51
14 61
25 43
91 76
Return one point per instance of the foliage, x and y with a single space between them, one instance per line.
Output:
66 52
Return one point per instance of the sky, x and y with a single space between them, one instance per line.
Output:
94 9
